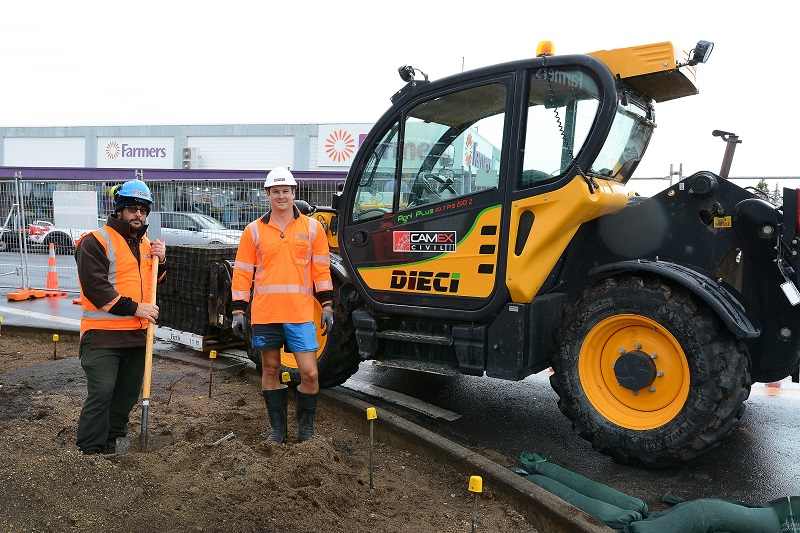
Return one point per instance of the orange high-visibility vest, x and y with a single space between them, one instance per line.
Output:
287 270
128 278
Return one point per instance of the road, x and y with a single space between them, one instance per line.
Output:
12 267
758 462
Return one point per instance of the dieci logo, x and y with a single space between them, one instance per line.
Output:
424 241
425 281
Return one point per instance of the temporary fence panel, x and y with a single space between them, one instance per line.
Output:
210 208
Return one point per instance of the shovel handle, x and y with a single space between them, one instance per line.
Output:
148 354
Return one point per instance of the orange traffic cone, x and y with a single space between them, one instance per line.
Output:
52 275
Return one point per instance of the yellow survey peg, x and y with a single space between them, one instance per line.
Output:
372 414
1 325
475 486
212 355
55 343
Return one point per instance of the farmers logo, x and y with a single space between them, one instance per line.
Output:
424 241
112 150
115 150
340 146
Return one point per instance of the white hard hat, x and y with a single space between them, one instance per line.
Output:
279 176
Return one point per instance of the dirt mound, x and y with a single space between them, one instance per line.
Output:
183 482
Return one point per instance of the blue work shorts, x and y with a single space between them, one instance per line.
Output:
294 337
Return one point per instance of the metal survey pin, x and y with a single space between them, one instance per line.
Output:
229 436
475 486
212 355
372 414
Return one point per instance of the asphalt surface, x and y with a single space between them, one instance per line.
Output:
547 512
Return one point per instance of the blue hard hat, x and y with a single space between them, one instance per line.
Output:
134 192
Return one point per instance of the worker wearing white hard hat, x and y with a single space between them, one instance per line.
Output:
279 176
285 254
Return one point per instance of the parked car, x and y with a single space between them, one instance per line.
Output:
181 229
40 234
6 239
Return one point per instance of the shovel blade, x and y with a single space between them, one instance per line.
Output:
143 443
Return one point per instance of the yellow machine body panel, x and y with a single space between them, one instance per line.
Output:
457 273
638 60
557 216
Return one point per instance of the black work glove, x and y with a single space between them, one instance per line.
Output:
238 325
327 320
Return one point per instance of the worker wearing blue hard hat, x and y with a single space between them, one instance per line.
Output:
114 263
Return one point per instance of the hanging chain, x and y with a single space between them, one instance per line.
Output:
589 180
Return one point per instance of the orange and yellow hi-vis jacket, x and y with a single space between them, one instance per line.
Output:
128 277
284 268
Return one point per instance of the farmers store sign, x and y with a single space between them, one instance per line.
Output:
138 152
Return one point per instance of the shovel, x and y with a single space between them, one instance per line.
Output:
148 359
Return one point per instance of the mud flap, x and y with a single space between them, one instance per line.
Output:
508 343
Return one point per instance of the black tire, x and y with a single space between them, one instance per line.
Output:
338 357
697 386
62 244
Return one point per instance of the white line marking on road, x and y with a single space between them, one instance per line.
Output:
41 316
400 399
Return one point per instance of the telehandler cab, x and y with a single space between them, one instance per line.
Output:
485 229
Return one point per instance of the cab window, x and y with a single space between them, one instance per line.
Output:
562 108
375 193
445 147
452 146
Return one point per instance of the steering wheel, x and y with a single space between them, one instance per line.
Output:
428 187
439 185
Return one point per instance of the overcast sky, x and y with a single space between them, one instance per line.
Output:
162 62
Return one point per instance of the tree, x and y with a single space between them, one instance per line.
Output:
762 186
777 197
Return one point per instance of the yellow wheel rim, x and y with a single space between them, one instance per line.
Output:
288 360
650 407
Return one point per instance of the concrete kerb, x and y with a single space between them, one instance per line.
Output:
541 508
44 334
